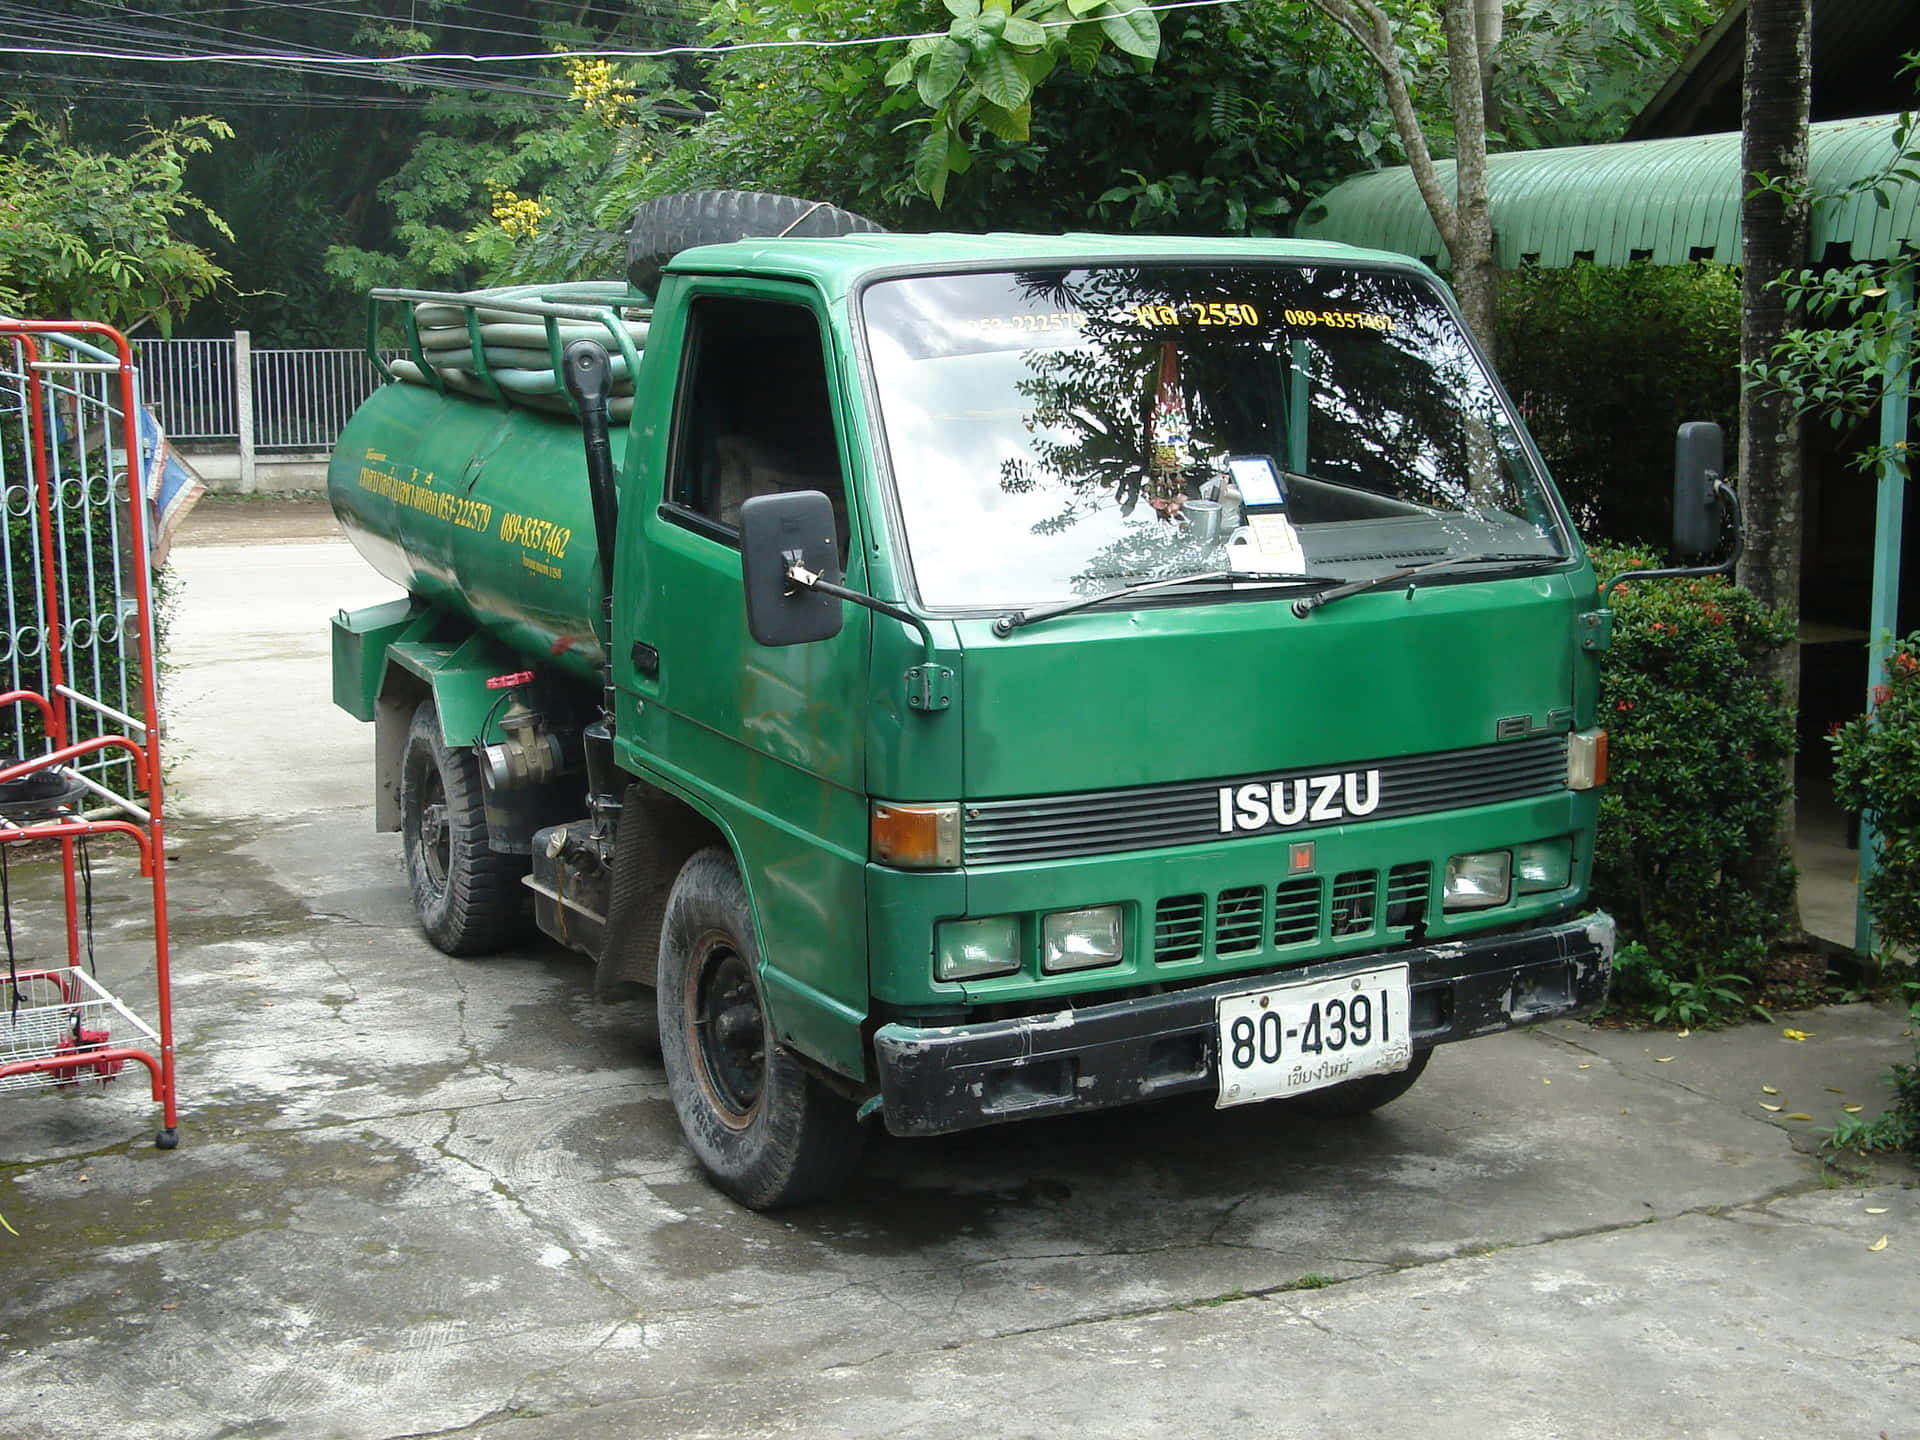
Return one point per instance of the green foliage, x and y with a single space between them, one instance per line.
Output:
1607 362
978 79
1897 1128
459 211
1575 72
86 235
1836 371
1876 771
1835 368
1246 112
1693 997
1688 857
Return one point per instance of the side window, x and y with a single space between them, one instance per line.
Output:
756 416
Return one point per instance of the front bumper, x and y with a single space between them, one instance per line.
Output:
958 1077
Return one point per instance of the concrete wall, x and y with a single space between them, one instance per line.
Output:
219 469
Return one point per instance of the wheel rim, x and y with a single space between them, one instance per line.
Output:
436 838
729 1041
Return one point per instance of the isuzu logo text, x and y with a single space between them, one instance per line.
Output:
1304 799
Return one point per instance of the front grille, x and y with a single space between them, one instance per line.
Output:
1407 887
1352 912
1237 921
1102 822
1306 909
1296 911
1179 928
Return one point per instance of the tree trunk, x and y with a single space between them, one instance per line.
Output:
1773 230
1471 246
1464 222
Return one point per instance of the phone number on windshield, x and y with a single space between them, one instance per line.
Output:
1340 319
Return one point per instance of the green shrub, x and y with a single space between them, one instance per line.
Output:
1876 771
1689 857
1607 361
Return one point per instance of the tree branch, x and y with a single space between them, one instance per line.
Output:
1375 36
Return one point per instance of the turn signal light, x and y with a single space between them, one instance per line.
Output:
915 837
1586 759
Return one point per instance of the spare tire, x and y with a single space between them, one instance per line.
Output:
662 228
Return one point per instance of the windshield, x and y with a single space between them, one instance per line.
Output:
1063 433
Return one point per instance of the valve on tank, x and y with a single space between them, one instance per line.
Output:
529 753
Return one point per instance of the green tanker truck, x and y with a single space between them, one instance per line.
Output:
971 678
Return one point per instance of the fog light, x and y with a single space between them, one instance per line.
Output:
1543 865
1081 939
976 949
1477 882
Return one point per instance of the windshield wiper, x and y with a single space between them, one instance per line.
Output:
1307 604
1014 619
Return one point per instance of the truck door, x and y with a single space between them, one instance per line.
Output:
771 740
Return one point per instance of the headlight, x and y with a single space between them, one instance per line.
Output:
1543 865
1081 939
975 949
1477 882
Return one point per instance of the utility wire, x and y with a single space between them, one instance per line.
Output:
297 58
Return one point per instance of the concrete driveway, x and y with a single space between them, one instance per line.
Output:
422 1196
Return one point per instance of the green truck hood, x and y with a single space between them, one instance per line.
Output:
1121 697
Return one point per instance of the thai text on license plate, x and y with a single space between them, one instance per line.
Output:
1289 1039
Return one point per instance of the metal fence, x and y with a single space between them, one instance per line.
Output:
59 408
208 390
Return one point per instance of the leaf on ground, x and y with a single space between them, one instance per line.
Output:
1681 1034
1663 1059
1584 1065
1765 1106
1879 1244
1876 1209
1799 1115
1851 1109
1835 1090
1791 1034
1769 1090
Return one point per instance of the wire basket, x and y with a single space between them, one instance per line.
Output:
62 1015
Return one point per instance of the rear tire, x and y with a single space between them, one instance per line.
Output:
662 228
466 895
1362 1096
766 1131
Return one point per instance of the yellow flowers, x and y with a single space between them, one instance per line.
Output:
601 93
1796 1035
519 217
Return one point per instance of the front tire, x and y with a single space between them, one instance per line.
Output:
466 895
766 1131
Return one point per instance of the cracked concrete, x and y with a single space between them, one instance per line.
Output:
420 1196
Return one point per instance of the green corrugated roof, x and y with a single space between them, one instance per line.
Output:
1668 200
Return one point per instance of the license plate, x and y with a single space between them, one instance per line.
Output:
1293 1038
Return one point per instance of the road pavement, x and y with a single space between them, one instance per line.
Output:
424 1196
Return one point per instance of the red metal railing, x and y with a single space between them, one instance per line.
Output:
46 1010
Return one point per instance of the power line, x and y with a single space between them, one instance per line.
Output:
461 57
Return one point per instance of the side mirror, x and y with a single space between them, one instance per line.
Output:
1699 465
778 532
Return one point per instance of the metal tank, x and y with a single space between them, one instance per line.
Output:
481 509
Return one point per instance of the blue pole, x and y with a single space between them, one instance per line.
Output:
1887 521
